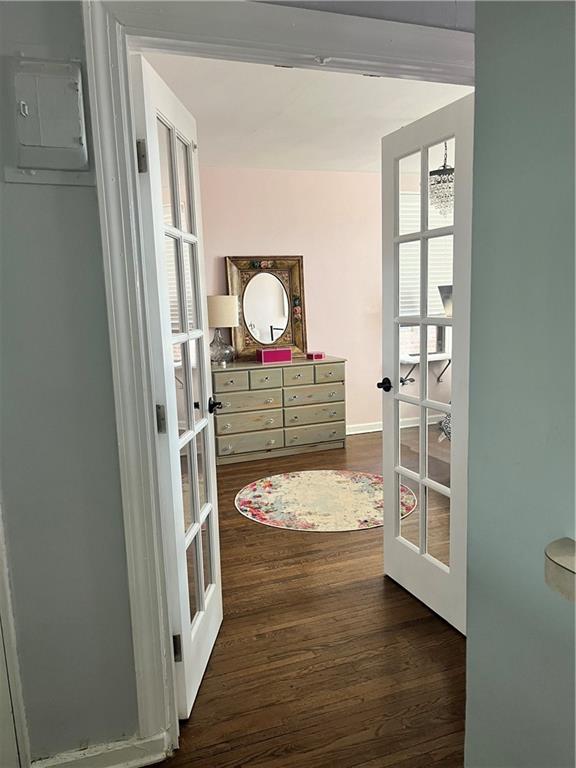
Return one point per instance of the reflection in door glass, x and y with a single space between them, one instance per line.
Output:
409 359
441 184
189 259
173 280
409 429
439 441
439 343
438 534
186 480
183 166
409 278
166 174
193 590
409 194
409 505
440 275
201 459
197 389
207 552
180 382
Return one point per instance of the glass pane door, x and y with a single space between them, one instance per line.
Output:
426 215
424 363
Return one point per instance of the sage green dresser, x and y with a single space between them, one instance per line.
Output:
279 409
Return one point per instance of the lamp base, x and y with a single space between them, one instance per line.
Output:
221 353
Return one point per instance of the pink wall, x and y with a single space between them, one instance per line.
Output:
333 220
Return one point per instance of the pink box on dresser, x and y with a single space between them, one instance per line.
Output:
315 355
275 355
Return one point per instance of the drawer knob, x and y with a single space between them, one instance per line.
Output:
293 397
295 437
330 373
294 418
231 381
269 400
227 426
332 394
227 449
271 442
269 421
226 404
266 378
298 376
332 413
333 432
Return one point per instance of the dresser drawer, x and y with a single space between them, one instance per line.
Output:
317 433
228 423
317 393
257 400
254 441
329 372
314 414
299 374
264 379
228 381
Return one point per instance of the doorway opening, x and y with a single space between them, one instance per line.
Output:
293 167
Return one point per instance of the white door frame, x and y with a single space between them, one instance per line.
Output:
240 31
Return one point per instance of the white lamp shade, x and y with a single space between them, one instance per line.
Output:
223 311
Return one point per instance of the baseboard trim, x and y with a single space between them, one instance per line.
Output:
360 429
123 754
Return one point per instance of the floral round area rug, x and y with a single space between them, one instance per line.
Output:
319 500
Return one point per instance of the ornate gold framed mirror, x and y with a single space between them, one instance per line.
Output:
270 292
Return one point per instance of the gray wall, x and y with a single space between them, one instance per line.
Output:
59 462
521 634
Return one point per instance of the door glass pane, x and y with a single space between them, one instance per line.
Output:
409 194
173 280
438 534
189 259
439 344
409 278
441 184
207 552
440 261
409 437
182 163
186 479
200 400
438 440
193 587
408 501
202 470
166 174
180 381
409 359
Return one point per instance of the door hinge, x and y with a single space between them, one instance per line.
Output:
177 646
161 419
141 155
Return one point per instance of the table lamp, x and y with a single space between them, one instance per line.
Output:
222 313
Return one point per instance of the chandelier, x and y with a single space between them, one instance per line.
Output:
441 186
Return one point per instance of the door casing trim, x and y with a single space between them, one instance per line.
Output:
109 42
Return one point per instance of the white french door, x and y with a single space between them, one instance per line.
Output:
426 321
176 316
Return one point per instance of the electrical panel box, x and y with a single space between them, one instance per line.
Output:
50 124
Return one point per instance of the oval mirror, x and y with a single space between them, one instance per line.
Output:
265 307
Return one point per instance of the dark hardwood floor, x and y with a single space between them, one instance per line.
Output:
321 662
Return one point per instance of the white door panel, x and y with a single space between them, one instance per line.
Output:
176 316
426 311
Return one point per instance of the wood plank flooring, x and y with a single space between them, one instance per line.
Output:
322 662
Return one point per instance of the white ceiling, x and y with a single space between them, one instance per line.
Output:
260 116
